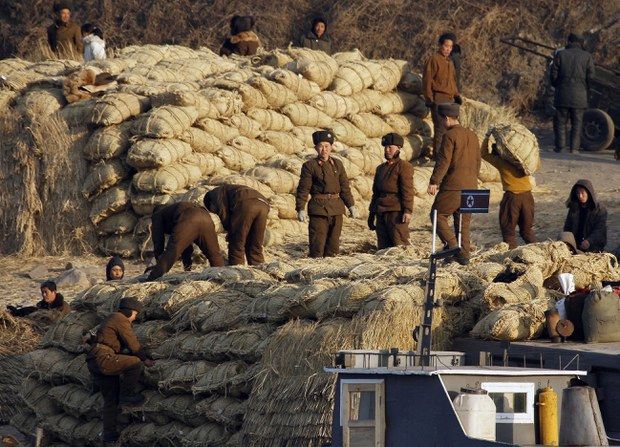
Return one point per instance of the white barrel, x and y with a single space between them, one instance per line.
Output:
476 411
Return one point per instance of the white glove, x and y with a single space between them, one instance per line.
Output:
355 214
301 215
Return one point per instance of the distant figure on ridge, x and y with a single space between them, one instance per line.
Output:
243 212
317 38
94 45
64 36
243 40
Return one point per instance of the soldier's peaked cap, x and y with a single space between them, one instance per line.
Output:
392 139
131 304
323 135
448 109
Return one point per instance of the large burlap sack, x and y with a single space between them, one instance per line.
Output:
334 105
35 395
104 175
227 102
192 69
270 119
288 163
119 223
305 115
415 145
588 269
365 160
113 66
367 99
517 145
166 303
55 366
200 141
488 172
514 322
184 376
149 153
285 205
182 408
223 410
156 73
256 148
63 426
351 169
152 333
186 99
301 87
221 131
304 133
40 102
207 434
247 126
227 378
371 125
168 179
363 185
527 287
107 142
601 317
277 95
165 122
320 72
421 180
207 163
114 108
389 75
237 179
88 433
404 124
400 102
77 113
67 332
235 159
346 132
284 142
252 97
109 202
143 203
410 82
278 180
123 245
77 401
354 76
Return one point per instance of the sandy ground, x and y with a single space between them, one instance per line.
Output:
554 180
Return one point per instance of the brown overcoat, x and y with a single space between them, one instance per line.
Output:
244 43
457 160
225 199
328 186
117 334
439 77
392 188
64 36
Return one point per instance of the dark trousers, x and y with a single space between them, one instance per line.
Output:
106 370
199 231
439 124
560 124
391 231
324 235
247 232
447 203
517 209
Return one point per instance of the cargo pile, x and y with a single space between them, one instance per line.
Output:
240 351
180 121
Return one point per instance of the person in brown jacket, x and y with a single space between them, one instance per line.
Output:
243 40
391 205
243 212
439 84
117 352
186 223
317 38
64 36
325 179
517 205
457 167
51 300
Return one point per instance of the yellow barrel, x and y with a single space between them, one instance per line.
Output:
548 416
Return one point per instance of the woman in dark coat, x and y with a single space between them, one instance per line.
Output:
243 40
587 218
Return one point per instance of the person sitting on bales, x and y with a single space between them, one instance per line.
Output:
586 218
115 270
243 40
52 300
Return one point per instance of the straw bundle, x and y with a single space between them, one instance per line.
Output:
103 176
277 95
165 122
200 141
114 108
107 142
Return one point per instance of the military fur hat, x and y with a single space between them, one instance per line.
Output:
392 139
448 109
131 304
323 135
59 6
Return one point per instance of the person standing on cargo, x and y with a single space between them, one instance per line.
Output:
571 73
317 38
64 36
325 180
243 212
517 205
186 223
391 205
457 167
439 85
116 352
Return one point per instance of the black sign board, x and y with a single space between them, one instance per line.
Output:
475 201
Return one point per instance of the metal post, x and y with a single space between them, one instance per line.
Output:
434 229
460 227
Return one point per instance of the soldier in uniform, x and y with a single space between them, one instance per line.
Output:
457 167
325 180
107 362
186 223
392 196
243 212
439 84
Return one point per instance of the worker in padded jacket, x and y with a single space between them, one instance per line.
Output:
586 218
115 363
243 212
391 205
457 167
186 223
325 180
